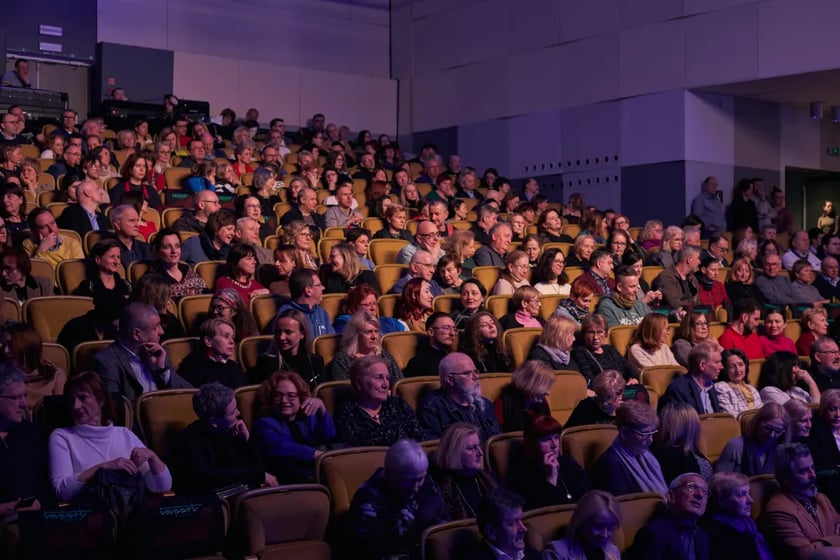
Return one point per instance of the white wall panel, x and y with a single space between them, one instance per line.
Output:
652 58
722 46
653 128
590 70
796 36
601 187
709 128
586 19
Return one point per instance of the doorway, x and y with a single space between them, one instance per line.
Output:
806 192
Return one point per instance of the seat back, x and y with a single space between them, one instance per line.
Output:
210 271
194 310
84 353
388 274
333 393
56 354
285 522
384 251
620 337
492 384
162 415
179 348
500 450
649 273
793 329
636 510
449 541
70 274
547 524
388 304
568 390
402 345
586 444
498 305
487 276
136 270
549 304
519 342
11 310
331 303
326 346
762 488
344 470
247 403
745 418
715 431
754 371
249 349
414 390
49 314
446 303
658 377
264 309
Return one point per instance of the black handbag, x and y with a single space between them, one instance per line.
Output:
114 490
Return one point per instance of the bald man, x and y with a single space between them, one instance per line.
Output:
205 204
85 216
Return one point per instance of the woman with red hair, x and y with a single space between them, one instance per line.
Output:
415 304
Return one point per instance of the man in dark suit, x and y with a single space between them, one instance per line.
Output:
696 388
136 363
499 520
494 253
85 216
674 533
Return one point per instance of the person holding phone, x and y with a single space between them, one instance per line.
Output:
23 463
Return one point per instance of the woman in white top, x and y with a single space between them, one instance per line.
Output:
649 345
550 275
778 380
735 393
94 443
515 274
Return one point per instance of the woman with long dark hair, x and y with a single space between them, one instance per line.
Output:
288 351
482 341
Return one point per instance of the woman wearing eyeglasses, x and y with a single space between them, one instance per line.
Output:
227 305
628 466
293 428
515 274
608 387
755 451
693 329
299 236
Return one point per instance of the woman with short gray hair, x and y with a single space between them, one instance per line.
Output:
733 534
214 451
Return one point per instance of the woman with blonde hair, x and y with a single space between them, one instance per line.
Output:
599 408
525 305
754 452
461 244
590 531
410 197
814 323
394 220
801 420
677 444
514 275
298 234
459 470
528 390
740 282
649 344
359 339
672 242
345 271
651 235
555 344
693 329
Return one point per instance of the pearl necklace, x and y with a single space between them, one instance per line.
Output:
243 286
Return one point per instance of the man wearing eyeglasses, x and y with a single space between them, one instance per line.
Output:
459 399
674 533
422 265
427 239
718 249
825 363
440 329
696 388
205 204
23 459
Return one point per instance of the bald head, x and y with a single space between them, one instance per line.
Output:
422 265
89 195
427 236
206 204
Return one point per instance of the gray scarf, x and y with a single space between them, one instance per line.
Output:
644 469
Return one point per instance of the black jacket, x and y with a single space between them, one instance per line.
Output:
76 218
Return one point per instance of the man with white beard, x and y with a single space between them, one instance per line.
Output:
458 400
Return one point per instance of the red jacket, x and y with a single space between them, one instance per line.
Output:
750 344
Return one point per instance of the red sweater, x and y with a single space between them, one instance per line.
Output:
751 345
780 343
715 297
803 345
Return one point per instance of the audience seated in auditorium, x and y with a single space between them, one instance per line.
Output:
581 252
775 289
136 363
240 271
740 282
799 522
677 282
182 279
395 219
125 221
440 332
677 444
247 232
288 351
205 204
524 309
482 342
804 292
549 277
458 399
598 277
45 241
345 271
526 393
754 452
825 363
154 290
215 451
16 279
361 338
80 455
414 305
828 280
608 388
577 306
85 216
427 239
307 291
590 531
696 387
422 265
515 274
293 428
133 178
393 507
374 416
822 441
499 520
735 393
593 355
693 329
213 243
799 250
673 531
471 301
780 377
623 306
741 332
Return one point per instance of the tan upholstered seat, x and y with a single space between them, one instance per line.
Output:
449 541
384 251
162 415
501 449
84 353
568 390
249 350
344 470
403 345
333 393
546 524
658 377
210 271
246 402
585 444
715 431
414 390
636 510
519 342
49 314
326 346
179 348
194 310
